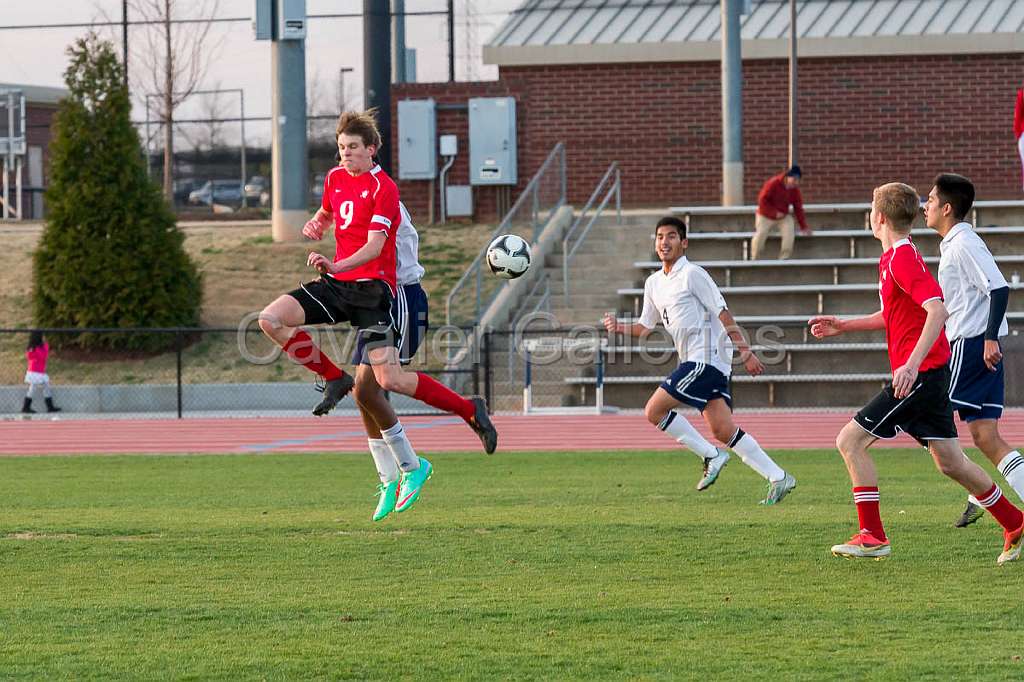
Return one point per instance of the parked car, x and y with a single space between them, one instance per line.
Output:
184 187
217 192
316 187
255 188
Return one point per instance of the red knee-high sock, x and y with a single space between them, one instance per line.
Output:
866 499
1004 511
302 350
436 394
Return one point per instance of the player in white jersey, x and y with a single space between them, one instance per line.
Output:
409 310
686 300
976 297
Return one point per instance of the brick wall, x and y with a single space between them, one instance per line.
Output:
864 120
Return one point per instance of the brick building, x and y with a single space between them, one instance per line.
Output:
888 90
40 108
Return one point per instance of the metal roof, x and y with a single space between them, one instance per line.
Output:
37 94
581 22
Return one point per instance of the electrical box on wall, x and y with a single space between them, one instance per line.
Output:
291 21
417 139
492 141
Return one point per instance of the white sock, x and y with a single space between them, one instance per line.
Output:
387 465
1012 469
744 445
401 448
677 426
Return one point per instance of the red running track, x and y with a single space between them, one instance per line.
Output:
774 430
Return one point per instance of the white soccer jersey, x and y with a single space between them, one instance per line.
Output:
967 275
687 301
408 246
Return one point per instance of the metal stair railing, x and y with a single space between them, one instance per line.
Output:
538 203
612 178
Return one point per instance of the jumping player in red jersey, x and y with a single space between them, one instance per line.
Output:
917 399
357 286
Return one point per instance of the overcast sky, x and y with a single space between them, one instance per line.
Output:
36 56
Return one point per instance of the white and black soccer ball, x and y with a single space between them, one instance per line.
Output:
509 256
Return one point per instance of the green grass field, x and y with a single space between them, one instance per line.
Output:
520 566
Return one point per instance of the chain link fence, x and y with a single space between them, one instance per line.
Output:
236 372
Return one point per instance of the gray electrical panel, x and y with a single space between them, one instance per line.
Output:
291 20
492 141
417 139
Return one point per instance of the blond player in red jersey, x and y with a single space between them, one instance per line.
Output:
358 286
917 400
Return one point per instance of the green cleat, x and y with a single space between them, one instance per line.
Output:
387 497
412 484
779 489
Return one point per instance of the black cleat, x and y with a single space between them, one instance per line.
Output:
334 390
483 426
972 513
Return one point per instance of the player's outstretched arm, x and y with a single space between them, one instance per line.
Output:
823 326
750 361
616 327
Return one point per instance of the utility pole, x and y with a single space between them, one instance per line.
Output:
124 38
289 153
451 41
793 143
377 71
400 75
732 105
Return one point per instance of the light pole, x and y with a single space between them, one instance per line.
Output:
793 144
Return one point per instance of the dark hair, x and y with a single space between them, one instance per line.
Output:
673 222
35 339
957 191
793 172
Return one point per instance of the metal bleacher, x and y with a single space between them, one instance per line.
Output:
834 271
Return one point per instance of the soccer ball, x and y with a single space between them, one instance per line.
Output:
509 256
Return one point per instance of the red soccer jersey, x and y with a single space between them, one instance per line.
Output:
905 285
363 204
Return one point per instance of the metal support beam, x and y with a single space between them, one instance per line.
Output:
377 71
732 105
289 152
793 137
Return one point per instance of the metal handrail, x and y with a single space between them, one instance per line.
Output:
530 193
616 189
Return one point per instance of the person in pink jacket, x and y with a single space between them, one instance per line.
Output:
37 353
1018 129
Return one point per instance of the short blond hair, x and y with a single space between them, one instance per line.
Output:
899 203
362 124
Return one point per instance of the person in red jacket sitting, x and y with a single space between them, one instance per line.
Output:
37 353
777 195
1018 129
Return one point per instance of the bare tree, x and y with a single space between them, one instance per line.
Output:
170 60
214 108
321 108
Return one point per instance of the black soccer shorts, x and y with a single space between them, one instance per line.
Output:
926 413
365 305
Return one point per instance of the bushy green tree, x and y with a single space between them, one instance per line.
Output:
111 254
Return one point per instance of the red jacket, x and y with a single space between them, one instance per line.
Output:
775 199
37 358
1018 115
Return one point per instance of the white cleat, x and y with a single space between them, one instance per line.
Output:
712 467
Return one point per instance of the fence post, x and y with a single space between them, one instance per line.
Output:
178 343
487 369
